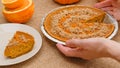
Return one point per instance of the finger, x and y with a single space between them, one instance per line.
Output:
116 14
73 43
82 43
103 4
116 17
77 43
67 51
110 12
107 8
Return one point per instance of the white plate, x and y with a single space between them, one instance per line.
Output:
6 33
108 18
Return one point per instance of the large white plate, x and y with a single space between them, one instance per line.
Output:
108 19
6 33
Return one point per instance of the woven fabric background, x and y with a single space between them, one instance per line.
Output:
49 56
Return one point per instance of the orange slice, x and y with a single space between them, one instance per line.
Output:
21 14
66 1
12 3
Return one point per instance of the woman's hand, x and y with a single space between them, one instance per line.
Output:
89 48
110 6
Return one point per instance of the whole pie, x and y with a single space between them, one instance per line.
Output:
77 22
20 44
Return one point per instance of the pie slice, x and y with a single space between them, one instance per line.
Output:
77 22
20 44
82 13
80 31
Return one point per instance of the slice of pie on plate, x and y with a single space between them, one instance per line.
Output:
20 44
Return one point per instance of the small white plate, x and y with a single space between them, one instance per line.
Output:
6 33
108 19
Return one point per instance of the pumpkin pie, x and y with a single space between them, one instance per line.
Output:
77 22
20 44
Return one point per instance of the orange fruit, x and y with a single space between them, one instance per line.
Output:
12 3
66 1
21 14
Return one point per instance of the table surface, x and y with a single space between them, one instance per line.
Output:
49 56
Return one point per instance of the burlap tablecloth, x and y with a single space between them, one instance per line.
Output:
49 56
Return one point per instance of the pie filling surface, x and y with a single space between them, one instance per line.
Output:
77 22
20 44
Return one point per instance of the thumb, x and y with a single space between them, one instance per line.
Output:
76 43
103 4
